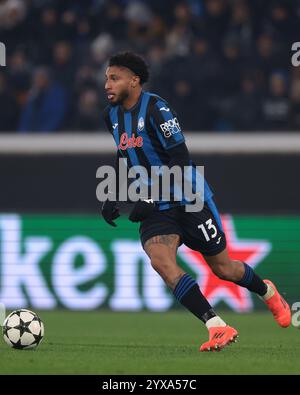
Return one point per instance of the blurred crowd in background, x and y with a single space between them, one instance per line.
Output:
223 65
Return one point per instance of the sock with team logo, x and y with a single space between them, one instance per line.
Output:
187 292
252 281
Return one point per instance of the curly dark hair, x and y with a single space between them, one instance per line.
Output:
133 62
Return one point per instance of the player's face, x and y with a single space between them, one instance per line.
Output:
118 84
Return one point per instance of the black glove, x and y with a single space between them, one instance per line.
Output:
110 211
141 210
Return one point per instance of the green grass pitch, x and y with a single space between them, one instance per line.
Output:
153 343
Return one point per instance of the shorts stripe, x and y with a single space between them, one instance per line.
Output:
214 210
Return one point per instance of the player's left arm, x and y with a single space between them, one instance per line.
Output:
179 156
166 124
164 121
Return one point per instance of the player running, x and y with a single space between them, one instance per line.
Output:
147 132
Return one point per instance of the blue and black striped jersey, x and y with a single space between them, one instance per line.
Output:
145 134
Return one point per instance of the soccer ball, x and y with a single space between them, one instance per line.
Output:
23 329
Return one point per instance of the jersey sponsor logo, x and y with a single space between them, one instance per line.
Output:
141 124
130 142
164 109
170 127
115 125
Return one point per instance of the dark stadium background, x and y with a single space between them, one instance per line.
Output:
206 56
225 66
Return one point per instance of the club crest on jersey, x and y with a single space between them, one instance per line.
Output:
141 124
170 127
130 142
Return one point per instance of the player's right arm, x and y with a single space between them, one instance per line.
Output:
109 210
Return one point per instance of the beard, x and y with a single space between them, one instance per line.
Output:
122 96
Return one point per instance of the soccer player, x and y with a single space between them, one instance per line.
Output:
147 132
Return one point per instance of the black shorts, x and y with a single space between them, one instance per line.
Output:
201 231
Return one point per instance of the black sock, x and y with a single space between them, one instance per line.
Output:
252 281
187 292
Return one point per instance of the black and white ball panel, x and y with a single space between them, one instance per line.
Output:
23 329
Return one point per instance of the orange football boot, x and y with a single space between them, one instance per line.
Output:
278 307
219 337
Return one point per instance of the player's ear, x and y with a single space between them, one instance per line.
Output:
135 81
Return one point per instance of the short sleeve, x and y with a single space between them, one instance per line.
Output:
166 124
